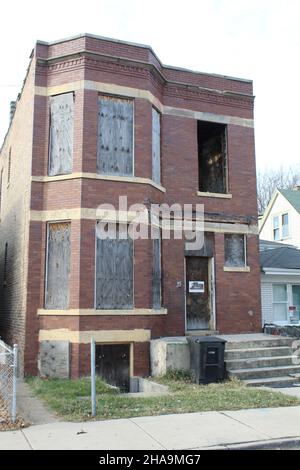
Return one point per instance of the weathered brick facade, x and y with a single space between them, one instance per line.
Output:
88 66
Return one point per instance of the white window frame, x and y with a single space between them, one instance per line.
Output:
282 225
279 228
288 302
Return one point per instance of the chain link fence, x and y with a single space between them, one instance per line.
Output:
8 382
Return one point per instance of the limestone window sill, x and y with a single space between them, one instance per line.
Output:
245 269
100 312
218 195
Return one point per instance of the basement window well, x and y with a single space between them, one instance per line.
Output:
212 157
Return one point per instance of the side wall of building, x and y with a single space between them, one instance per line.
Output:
15 165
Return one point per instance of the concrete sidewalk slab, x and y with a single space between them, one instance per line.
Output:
291 391
13 440
212 429
31 408
116 434
186 431
273 422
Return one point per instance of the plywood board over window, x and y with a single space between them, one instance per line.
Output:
156 272
235 250
155 146
114 269
58 266
115 136
61 134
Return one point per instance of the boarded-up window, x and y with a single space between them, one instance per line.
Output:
58 266
156 273
9 167
212 156
1 181
61 134
5 265
155 146
114 269
235 250
115 136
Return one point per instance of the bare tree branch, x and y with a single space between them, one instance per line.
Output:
271 179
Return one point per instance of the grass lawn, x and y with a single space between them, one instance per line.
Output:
65 398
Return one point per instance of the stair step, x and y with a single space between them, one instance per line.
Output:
257 352
260 343
262 372
258 362
285 381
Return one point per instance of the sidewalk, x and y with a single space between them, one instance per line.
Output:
227 429
31 408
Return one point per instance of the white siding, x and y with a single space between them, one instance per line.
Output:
267 282
282 206
266 302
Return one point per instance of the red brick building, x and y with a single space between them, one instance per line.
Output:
99 118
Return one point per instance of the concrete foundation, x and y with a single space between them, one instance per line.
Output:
54 359
169 354
147 387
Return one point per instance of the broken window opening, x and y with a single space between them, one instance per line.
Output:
235 251
212 157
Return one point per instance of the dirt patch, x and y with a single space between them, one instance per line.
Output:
5 421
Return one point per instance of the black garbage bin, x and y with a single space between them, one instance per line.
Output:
207 359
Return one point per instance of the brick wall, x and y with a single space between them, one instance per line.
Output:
14 215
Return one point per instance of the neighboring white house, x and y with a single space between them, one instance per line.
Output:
280 283
281 220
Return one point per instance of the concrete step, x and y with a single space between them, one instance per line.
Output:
284 381
257 352
258 362
260 343
264 372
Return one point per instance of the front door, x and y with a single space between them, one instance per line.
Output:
112 364
198 293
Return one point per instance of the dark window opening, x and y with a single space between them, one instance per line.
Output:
235 251
212 157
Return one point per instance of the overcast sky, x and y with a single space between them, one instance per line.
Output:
256 39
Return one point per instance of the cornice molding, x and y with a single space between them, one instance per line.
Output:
146 70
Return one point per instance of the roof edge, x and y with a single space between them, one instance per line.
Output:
143 46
